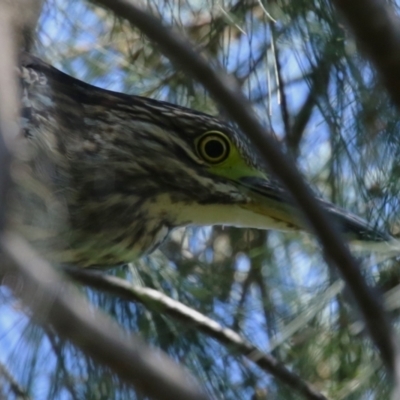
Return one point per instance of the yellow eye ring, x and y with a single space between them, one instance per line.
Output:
213 147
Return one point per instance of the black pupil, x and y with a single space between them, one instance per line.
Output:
214 148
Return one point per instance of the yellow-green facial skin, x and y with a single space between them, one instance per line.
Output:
234 167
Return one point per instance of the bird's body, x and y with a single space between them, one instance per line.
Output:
125 170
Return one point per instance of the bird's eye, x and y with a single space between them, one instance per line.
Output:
213 147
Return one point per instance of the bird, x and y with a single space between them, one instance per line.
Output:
114 173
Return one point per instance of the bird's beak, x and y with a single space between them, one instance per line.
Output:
269 200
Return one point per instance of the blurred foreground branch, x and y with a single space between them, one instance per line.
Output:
53 301
377 30
12 382
376 27
225 91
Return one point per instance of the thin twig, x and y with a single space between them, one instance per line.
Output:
280 83
319 80
57 349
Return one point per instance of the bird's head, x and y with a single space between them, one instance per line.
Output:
129 168
201 170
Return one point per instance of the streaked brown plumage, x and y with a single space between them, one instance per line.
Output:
120 171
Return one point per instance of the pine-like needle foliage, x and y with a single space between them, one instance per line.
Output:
301 71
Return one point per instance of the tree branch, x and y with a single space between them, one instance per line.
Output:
14 385
377 29
54 302
160 302
39 286
319 80
225 91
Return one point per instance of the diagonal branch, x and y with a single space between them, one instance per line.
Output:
15 387
225 91
56 347
55 302
160 302
40 287
377 29
319 80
